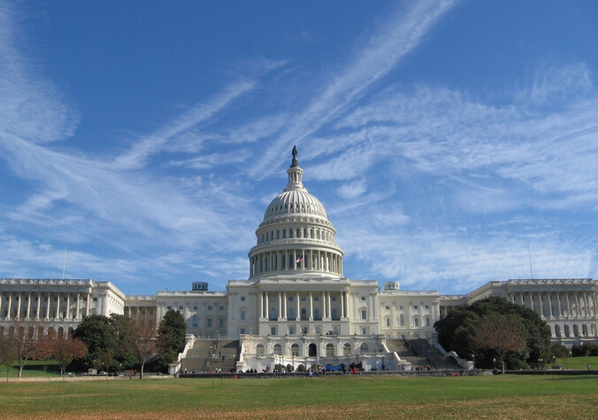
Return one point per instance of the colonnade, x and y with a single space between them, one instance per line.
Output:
45 305
557 304
285 306
296 259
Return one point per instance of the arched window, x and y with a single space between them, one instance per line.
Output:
576 330
303 314
313 350
194 321
259 349
277 349
557 331
329 350
364 348
402 320
347 349
584 330
295 350
567 331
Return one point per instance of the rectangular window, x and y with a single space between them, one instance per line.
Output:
388 322
209 322
291 330
415 307
364 331
209 308
416 322
363 298
242 298
242 315
427 322
316 299
221 323
364 314
273 331
169 307
222 308
427 307
242 331
333 298
290 298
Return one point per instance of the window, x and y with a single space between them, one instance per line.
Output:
363 298
195 308
316 299
273 331
242 315
402 320
347 349
277 349
388 322
387 308
427 322
291 330
169 307
415 307
364 314
259 349
295 350
195 321
290 298
242 331
333 298
427 307
329 350
221 308
180 308
209 308
209 322
242 298
416 322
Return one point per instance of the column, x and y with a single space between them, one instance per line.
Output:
550 314
57 306
294 259
38 305
18 306
8 313
558 300
342 304
577 304
568 305
261 305
88 303
311 307
285 312
49 300
541 304
68 306
77 314
1 299
329 305
28 305
267 305
298 317
280 305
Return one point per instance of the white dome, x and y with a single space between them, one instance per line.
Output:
295 235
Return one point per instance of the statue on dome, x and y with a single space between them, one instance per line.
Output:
294 157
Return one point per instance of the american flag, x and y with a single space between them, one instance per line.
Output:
299 259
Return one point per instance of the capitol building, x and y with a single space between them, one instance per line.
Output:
297 306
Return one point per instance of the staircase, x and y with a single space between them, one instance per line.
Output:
428 355
206 356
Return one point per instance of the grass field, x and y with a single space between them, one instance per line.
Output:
579 362
513 397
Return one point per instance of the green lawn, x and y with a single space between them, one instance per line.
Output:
522 397
31 369
579 362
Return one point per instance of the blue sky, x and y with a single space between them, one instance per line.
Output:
448 140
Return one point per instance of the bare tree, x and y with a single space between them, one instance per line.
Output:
24 334
500 333
8 352
145 342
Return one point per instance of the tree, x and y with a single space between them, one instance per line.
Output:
501 334
98 334
171 337
67 349
125 352
24 335
456 332
145 343
8 351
